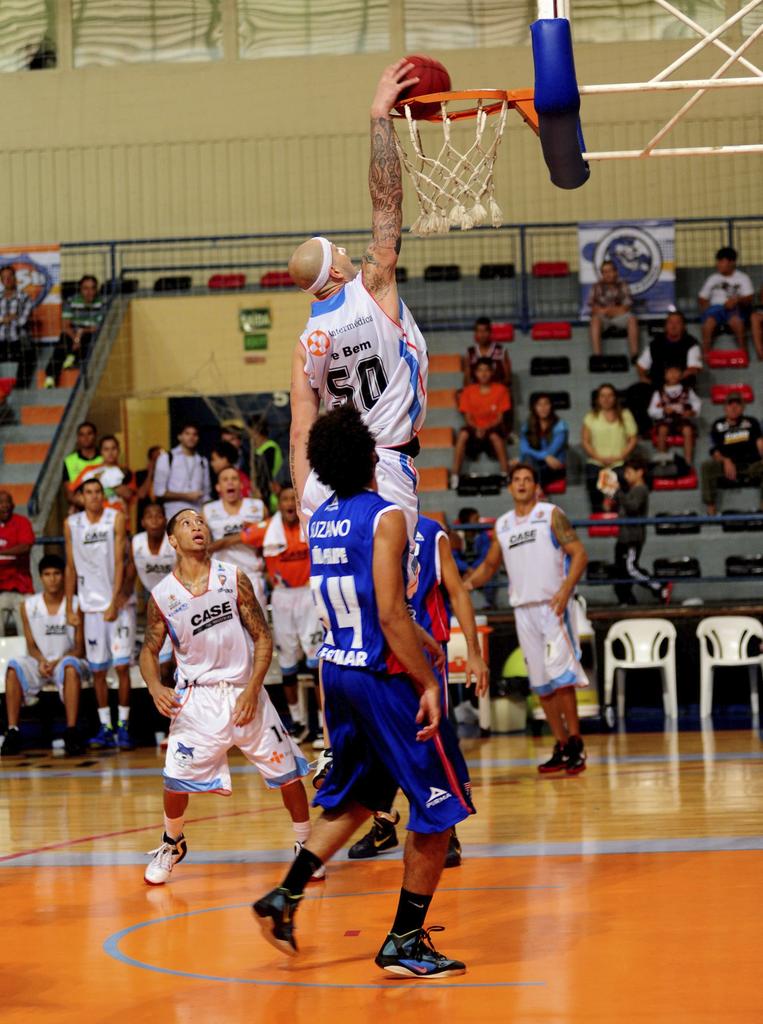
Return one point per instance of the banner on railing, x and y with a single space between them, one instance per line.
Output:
38 273
643 251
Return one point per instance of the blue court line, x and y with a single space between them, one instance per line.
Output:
497 762
111 948
472 851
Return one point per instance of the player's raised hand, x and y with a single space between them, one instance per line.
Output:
245 707
394 79
477 673
429 713
165 700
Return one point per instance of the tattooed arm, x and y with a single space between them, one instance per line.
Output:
385 183
254 622
573 547
156 631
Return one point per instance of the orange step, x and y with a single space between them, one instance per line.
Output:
445 362
20 451
20 493
433 478
436 437
68 378
37 415
442 398
438 516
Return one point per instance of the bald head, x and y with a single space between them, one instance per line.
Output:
306 264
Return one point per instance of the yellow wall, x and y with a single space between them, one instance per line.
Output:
276 145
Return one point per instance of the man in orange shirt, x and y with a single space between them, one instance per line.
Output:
296 625
483 406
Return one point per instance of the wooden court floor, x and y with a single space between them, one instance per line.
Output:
631 894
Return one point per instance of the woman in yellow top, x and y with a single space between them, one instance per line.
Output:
609 437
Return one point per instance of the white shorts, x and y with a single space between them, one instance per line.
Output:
550 647
397 481
202 733
296 627
32 681
110 643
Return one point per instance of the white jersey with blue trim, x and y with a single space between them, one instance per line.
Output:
535 561
51 631
355 353
93 553
152 568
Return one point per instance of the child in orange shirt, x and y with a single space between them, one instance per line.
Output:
483 406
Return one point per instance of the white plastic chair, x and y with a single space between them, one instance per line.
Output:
642 640
725 640
10 647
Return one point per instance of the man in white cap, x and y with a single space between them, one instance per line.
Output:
361 345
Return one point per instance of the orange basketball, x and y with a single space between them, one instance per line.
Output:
433 77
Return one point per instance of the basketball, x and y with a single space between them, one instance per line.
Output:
433 77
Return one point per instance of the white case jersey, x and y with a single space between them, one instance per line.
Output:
221 524
210 642
151 568
93 551
54 638
534 560
356 353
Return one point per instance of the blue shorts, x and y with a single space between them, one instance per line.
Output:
721 315
371 718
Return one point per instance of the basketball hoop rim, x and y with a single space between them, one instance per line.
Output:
495 97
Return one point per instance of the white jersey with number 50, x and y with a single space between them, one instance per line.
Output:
355 353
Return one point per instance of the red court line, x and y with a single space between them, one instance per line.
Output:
129 831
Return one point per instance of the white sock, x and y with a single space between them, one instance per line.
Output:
174 826
104 714
296 714
320 719
124 715
302 831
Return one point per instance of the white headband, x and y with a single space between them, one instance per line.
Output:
323 274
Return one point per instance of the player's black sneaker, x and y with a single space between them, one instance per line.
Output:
381 837
73 744
557 762
453 856
11 743
275 916
576 756
414 956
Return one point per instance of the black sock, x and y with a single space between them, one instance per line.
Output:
301 871
411 911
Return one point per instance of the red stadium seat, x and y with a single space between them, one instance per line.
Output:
681 483
221 282
276 279
502 332
723 358
559 331
560 268
718 392
609 530
556 486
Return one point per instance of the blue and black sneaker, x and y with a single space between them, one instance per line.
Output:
104 738
275 916
413 956
123 737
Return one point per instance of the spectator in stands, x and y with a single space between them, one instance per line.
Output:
144 481
16 540
756 327
673 346
483 406
15 341
55 650
85 454
225 456
234 432
633 502
726 299
181 476
609 438
673 410
267 460
543 440
469 546
82 317
610 304
496 352
737 453
118 481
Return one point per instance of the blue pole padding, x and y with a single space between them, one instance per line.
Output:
557 102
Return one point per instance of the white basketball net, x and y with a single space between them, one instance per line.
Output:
455 189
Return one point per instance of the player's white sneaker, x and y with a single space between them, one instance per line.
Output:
164 859
317 876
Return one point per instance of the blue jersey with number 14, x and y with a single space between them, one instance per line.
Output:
341 537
